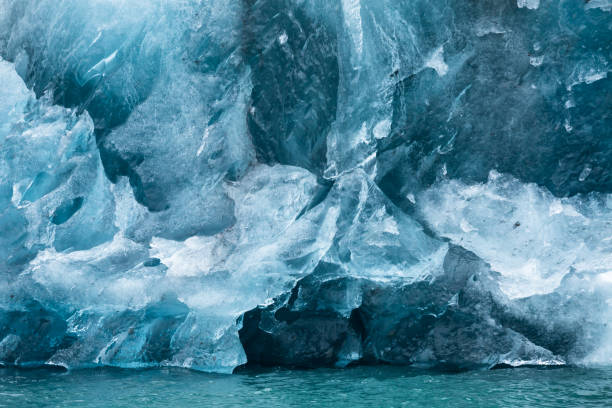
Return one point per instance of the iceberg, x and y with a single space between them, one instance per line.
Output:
209 184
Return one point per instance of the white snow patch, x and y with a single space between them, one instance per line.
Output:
530 4
282 39
482 30
530 237
605 5
536 61
382 128
436 61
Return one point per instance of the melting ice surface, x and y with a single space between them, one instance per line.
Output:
209 183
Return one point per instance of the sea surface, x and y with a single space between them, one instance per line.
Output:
380 386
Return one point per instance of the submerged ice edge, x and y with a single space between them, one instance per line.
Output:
109 261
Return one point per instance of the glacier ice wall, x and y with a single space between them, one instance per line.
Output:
206 183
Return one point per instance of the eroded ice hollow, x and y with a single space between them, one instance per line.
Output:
305 183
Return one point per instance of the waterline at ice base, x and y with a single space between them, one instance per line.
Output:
210 184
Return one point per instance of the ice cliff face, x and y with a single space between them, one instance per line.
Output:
209 183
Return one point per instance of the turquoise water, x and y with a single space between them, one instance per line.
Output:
361 386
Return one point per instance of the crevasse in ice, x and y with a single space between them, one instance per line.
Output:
305 183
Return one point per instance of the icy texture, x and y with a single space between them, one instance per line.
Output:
103 298
206 183
553 255
531 237
54 192
442 320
